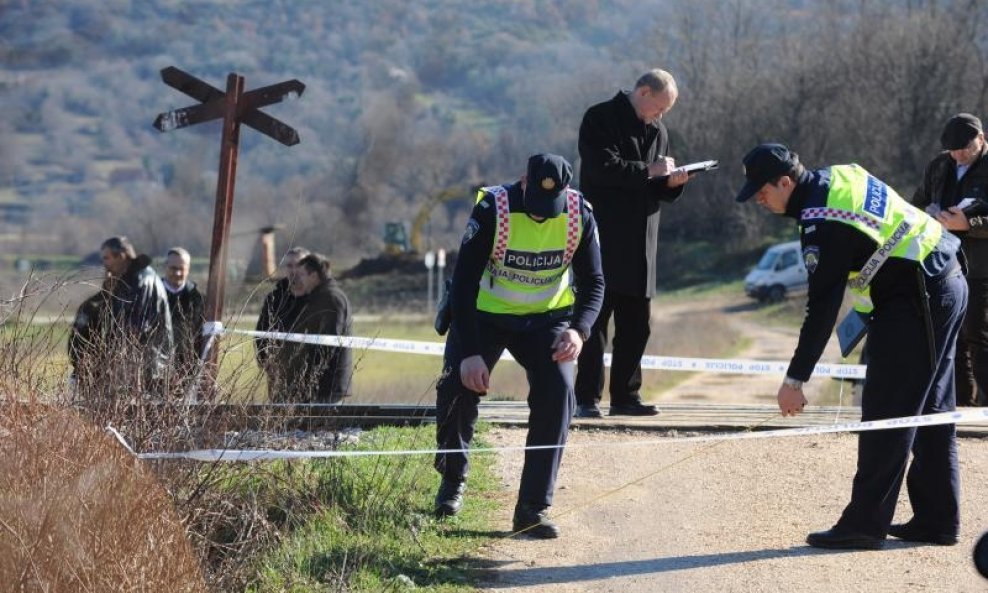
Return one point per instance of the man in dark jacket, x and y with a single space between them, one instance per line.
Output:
955 191
138 311
88 342
185 304
278 311
307 372
625 175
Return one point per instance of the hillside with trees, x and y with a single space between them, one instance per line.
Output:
405 100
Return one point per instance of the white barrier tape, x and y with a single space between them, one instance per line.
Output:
383 344
116 434
212 328
887 424
665 363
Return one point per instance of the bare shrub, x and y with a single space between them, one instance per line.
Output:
78 513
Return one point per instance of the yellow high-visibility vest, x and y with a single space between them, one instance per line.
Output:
529 267
901 230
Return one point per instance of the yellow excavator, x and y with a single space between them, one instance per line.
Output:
396 237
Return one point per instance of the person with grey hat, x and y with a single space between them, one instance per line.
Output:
511 290
955 190
858 233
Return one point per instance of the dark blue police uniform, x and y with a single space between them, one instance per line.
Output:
918 311
529 338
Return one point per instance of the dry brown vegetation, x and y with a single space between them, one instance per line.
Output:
79 513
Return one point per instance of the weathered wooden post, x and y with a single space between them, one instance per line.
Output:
235 107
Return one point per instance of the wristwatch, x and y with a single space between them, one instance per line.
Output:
794 383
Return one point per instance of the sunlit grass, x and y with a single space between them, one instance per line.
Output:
370 527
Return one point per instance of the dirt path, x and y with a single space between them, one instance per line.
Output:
767 343
640 513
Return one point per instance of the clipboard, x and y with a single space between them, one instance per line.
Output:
851 330
699 166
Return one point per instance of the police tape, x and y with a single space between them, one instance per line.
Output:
240 455
662 363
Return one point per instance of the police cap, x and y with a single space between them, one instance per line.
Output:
762 164
547 179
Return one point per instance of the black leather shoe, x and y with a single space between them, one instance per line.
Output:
587 411
633 409
911 533
449 498
532 521
844 540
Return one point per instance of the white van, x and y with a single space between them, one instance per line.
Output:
779 274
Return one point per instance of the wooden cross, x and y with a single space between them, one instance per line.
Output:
234 107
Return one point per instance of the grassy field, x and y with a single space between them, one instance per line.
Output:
386 377
372 528
410 379
364 524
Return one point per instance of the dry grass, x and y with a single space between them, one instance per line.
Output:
79 513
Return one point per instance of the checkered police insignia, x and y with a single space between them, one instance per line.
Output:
811 257
472 227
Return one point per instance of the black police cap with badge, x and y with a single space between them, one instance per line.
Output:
547 178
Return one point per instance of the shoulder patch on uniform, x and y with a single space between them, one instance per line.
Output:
472 227
811 257
484 204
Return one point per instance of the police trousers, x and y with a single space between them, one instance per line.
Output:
632 315
902 380
550 401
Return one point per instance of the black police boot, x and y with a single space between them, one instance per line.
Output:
911 532
633 407
532 520
449 498
587 411
838 539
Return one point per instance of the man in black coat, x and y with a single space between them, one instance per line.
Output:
310 373
141 331
185 303
955 191
88 343
278 312
626 175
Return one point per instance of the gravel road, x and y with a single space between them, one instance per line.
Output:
730 517
642 513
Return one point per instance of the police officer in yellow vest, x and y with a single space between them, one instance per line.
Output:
856 232
512 289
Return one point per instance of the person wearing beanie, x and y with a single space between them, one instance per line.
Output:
955 191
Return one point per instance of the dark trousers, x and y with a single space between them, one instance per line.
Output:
972 346
631 331
901 381
550 402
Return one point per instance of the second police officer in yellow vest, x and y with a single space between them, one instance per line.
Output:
857 232
527 245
